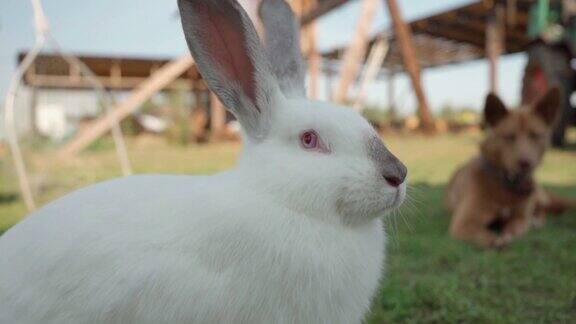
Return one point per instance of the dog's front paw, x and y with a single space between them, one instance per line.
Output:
538 221
502 241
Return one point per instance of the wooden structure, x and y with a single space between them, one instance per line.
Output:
160 79
356 51
114 73
459 35
473 31
144 91
404 36
322 7
309 38
479 30
53 72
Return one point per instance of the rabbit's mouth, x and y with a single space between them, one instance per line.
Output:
398 200
357 204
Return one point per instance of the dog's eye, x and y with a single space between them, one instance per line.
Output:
534 136
310 140
509 137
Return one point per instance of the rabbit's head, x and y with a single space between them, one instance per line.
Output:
313 157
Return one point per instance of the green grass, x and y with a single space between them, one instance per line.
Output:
429 277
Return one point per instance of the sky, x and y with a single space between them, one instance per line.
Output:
151 29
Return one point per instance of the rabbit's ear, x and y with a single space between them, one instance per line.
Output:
228 53
282 45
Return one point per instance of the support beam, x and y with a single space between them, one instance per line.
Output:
199 116
81 82
34 110
309 38
356 51
217 118
494 44
392 95
314 66
116 74
329 76
450 32
404 35
373 65
140 95
323 8
471 33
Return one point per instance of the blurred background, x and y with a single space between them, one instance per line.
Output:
111 91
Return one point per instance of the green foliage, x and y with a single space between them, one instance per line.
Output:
460 115
149 107
377 115
10 207
104 143
179 131
130 126
433 279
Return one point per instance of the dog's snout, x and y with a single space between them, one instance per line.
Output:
525 165
396 174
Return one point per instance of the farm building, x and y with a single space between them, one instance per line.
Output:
56 98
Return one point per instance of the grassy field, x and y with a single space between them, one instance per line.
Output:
429 277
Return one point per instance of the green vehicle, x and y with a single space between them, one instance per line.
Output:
551 58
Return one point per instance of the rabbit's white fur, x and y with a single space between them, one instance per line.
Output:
288 236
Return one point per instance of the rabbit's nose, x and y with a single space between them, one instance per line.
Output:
393 181
396 175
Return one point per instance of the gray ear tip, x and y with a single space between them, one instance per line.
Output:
269 6
182 4
189 6
188 3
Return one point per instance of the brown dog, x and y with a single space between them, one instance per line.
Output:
494 197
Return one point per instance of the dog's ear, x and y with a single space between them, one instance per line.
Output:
548 107
494 110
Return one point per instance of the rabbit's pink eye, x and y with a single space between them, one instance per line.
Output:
309 140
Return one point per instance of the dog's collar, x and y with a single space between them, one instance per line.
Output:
521 185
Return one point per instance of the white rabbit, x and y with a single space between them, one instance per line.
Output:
292 234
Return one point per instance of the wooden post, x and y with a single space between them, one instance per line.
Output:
116 74
75 74
494 44
217 118
308 34
34 110
309 44
410 59
314 66
143 92
511 13
354 55
373 64
30 75
329 75
391 95
324 7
